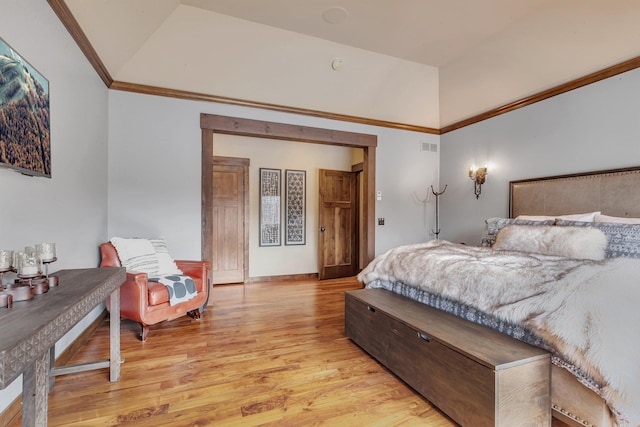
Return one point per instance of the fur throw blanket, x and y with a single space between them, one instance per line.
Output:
586 310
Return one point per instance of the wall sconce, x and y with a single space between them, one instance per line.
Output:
478 177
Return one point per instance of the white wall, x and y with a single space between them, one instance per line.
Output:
593 128
155 177
70 208
404 174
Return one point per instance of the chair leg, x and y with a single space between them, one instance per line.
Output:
145 332
195 314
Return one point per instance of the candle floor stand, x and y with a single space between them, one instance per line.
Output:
26 286
20 290
53 280
6 298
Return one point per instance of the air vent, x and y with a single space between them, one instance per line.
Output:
425 146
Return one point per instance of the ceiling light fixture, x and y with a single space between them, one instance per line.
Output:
335 15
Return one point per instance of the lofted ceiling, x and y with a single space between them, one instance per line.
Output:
486 53
431 32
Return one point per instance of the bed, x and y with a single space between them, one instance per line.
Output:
558 273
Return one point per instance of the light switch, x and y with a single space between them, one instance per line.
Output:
378 195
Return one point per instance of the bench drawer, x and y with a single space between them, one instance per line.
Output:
361 323
459 386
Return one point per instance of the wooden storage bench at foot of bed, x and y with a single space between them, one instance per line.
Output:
477 376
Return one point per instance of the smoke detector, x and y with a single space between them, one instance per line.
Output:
337 64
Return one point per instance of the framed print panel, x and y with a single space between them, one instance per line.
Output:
295 207
270 206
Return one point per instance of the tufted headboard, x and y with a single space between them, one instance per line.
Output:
614 192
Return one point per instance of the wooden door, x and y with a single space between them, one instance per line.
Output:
228 216
337 241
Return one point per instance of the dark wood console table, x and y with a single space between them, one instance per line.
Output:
31 328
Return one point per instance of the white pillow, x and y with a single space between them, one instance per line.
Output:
535 217
136 255
585 217
167 266
570 242
617 219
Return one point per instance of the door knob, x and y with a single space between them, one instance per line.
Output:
322 229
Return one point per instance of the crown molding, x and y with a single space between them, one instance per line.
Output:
614 70
69 21
195 96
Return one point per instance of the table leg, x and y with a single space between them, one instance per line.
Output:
35 390
52 358
114 337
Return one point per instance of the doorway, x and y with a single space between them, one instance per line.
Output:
212 124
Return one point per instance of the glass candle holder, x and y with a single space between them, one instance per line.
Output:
17 259
46 251
6 259
29 266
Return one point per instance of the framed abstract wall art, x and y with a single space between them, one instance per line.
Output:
270 207
25 142
295 207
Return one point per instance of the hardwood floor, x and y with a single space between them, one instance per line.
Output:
265 354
